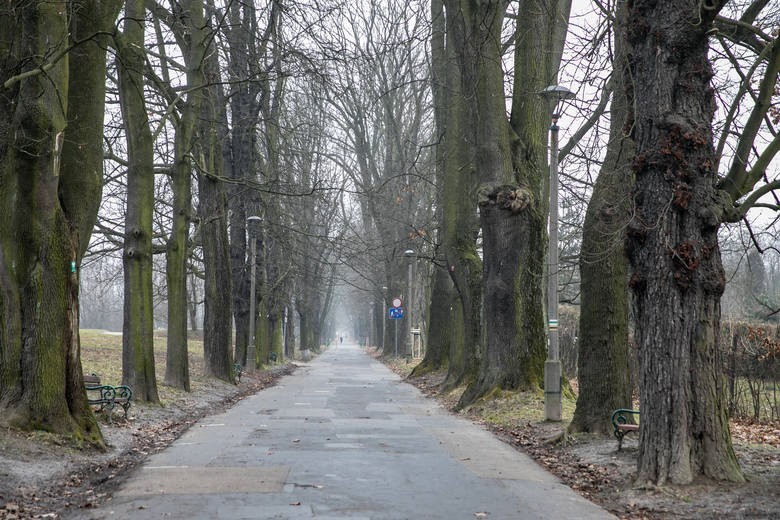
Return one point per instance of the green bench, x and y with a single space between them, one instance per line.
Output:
107 397
623 422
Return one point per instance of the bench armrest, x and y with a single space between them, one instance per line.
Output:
622 416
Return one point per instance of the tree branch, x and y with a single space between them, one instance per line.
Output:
738 181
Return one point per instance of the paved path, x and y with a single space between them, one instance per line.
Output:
341 438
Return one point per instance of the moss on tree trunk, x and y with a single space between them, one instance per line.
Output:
191 37
508 158
138 370
50 145
602 362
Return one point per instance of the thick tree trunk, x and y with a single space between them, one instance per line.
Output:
217 313
48 204
460 224
508 161
82 152
138 370
244 100
677 277
81 173
602 361
439 326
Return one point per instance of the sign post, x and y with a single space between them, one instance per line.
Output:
395 313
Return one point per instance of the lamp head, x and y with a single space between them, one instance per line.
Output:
556 93
253 223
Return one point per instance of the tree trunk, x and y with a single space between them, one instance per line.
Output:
602 362
242 165
460 225
442 289
138 370
213 211
677 277
191 37
508 161
188 27
81 173
440 325
289 332
48 206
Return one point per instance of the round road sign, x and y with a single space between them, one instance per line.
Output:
397 302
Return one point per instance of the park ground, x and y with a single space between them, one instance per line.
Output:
42 476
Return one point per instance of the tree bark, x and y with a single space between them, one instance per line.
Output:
508 159
138 370
48 203
439 325
188 26
460 225
442 289
213 216
602 361
677 278
242 165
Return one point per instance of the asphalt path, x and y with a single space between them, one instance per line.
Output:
341 438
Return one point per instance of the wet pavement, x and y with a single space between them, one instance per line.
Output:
341 438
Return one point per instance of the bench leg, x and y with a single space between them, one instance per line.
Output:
619 434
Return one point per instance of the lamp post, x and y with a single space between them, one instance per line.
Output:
409 254
253 226
554 94
370 326
384 316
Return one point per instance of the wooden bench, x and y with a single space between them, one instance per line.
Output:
623 423
107 397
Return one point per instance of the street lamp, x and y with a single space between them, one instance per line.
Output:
554 94
410 254
253 229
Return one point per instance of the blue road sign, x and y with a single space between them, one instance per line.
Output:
396 313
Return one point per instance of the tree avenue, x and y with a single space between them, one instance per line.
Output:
311 162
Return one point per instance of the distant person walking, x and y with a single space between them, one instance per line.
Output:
341 340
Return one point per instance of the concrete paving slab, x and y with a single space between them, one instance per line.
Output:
187 480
